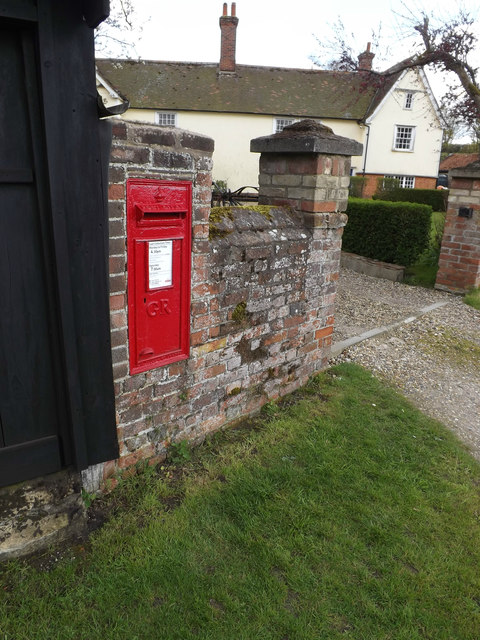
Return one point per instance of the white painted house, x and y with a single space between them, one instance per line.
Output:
395 117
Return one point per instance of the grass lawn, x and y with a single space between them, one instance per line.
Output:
341 512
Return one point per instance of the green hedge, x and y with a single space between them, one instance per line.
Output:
357 184
396 232
436 198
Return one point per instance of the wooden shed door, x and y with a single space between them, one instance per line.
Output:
32 406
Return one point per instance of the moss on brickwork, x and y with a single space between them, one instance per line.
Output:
218 214
262 209
235 391
239 314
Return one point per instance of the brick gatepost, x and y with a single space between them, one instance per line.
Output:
307 167
459 264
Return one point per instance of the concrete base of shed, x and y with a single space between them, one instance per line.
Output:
40 512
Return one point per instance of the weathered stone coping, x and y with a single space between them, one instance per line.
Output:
307 136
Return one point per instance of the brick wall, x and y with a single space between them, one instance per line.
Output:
263 288
271 308
262 295
459 263
425 183
371 183
146 403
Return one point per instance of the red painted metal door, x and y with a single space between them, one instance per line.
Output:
159 257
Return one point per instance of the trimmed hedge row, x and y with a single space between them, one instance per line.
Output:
357 184
395 232
436 198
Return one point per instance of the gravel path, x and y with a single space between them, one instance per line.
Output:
433 358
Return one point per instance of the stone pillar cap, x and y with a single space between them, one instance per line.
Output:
307 136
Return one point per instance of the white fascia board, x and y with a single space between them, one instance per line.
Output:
433 100
108 88
428 90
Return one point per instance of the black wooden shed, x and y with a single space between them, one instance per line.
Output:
56 386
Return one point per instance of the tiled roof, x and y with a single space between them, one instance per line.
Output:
458 160
250 89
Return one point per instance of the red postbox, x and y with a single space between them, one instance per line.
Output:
159 255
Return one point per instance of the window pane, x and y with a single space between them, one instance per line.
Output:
403 138
281 123
408 101
406 182
166 119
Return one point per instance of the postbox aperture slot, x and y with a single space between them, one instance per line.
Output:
153 215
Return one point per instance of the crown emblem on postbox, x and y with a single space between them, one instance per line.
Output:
158 195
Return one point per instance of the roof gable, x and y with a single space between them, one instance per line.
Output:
250 89
391 83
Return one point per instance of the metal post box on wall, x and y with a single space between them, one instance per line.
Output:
159 255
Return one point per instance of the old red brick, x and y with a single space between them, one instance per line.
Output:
215 370
116 192
132 458
319 206
322 333
118 320
117 302
117 264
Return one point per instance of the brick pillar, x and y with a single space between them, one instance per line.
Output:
307 167
459 264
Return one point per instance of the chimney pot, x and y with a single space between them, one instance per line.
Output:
225 9
234 9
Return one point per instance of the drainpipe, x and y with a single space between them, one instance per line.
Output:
365 156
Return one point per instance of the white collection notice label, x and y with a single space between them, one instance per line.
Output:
160 264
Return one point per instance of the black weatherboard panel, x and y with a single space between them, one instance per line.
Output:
56 386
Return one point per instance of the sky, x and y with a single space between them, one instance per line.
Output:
279 33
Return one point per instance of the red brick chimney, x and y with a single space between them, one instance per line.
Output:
365 59
228 27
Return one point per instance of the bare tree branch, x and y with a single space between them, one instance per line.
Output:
121 31
446 46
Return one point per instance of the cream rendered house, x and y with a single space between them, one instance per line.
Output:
404 133
395 117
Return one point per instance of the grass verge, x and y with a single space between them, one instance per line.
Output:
424 272
342 512
472 298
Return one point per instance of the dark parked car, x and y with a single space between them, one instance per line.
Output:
442 180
